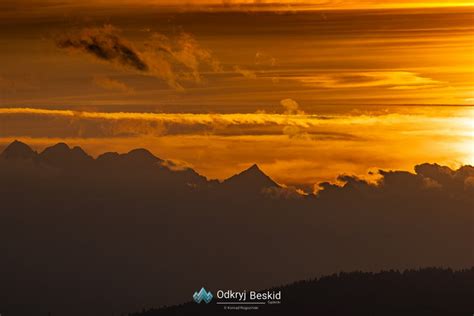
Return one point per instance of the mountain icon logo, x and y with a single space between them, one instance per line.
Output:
203 295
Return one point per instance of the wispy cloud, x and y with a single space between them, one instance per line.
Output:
105 44
15 85
291 107
291 122
183 51
249 5
107 83
390 79
183 118
250 74
173 59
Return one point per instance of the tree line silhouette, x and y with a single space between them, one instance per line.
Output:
427 291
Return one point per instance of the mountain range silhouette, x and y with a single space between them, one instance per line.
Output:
18 150
126 232
64 158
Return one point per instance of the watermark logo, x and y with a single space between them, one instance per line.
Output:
202 295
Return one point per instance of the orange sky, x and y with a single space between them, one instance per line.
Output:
220 80
343 4
238 61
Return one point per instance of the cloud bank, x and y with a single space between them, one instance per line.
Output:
191 123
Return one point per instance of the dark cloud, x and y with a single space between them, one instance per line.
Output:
105 44
428 179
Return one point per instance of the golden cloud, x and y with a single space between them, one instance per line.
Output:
107 83
400 80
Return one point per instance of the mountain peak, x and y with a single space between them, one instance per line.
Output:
254 168
108 157
254 171
61 146
251 178
60 149
18 150
141 155
62 155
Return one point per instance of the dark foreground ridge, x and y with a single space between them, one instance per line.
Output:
127 231
429 291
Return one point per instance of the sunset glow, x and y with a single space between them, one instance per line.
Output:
297 149
195 157
307 93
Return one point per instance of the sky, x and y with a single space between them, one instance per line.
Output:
307 89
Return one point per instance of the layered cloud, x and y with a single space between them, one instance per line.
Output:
190 123
107 124
304 55
233 4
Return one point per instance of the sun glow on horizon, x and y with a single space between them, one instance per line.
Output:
296 148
